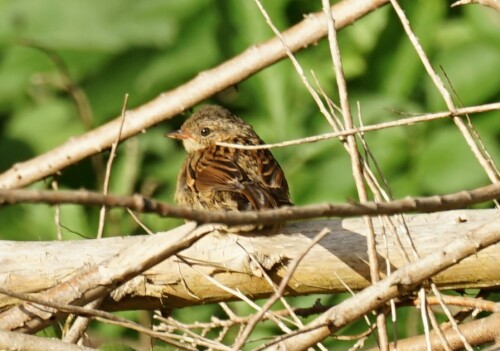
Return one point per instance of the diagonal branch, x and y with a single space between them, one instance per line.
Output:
96 281
404 279
168 104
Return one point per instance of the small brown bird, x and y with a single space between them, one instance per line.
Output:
215 177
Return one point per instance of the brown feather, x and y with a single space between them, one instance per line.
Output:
215 177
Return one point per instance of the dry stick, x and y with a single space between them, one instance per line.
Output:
284 337
379 126
425 321
489 327
357 167
81 323
304 312
463 301
138 221
488 165
489 168
382 195
482 305
237 293
168 104
102 215
18 341
494 4
278 294
469 302
141 204
471 126
437 328
450 317
57 215
296 321
93 282
103 316
296 65
195 338
404 279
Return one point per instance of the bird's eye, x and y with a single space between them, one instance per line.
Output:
205 131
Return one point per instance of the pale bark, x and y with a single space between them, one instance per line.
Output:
17 341
340 258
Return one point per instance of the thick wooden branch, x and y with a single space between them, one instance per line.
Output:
181 280
96 280
18 341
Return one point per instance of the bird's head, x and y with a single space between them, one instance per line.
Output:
209 125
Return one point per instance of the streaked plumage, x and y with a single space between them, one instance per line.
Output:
222 178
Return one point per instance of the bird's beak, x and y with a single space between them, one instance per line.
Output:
178 134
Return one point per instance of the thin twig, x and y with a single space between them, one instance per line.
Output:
279 293
425 321
102 215
86 311
57 214
450 317
437 328
242 297
138 203
490 169
296 65
379 126
80 324
356 163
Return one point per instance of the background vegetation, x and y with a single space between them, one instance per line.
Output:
114 47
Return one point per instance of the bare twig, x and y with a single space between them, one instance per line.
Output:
269 314
398 123
454 325
80 323
278 294
88 312
437 329
356 162
494 4
425 321
138 203
477 332
488 165
57 214
462 301
105 187
296 65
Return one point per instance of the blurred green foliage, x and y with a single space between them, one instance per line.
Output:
147 47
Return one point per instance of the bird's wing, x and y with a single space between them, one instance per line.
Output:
214 171
224 169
